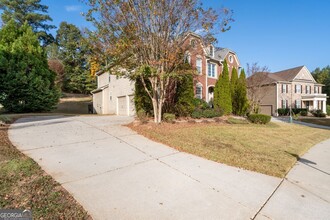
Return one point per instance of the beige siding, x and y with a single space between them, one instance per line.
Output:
97 103
268 98
102 79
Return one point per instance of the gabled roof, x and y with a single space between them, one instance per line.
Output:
289 74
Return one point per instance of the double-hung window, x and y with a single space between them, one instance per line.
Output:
298 103
211 70
284 103
199 92
308 89
284 88
298 88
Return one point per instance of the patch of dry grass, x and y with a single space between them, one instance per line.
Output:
270 149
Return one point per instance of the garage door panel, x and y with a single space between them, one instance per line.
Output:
266 109
122 105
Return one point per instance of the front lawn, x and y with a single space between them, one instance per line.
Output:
270 149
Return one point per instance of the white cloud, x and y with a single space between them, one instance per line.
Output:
70 8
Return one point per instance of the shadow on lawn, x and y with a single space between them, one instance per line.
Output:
307 163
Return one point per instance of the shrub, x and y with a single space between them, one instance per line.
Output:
328 109
168 117
5 119
286 111
197 114
142 116
184 105
259 118
318 113
200 104
303 113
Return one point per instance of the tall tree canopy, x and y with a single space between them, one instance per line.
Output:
71 50
27 84
30 11
323 76
134 35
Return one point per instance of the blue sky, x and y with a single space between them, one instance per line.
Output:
279 34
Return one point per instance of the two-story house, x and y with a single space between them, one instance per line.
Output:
115 95
291 88
208 61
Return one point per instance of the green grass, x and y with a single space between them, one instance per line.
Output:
24 185
270 149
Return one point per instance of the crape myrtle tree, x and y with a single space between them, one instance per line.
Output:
30 11
26 82
135 35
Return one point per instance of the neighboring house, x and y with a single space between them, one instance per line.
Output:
292 88
208 61
114 95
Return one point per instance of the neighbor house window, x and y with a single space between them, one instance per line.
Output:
298 103
284 88
298 88
284 103
199 92
316 90
211 70
187 58
308 89
199 65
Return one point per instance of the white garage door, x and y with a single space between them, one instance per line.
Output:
122 105
131 105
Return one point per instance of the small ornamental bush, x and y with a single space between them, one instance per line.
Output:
197 114
259 118
303 113
142 116
207 113
168 117
319 113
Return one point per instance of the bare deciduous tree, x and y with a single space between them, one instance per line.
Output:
257 83
145 38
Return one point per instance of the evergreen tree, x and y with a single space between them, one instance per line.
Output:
185 96
233 89
32 12
142 100
242 100
222 96
72 52
27 84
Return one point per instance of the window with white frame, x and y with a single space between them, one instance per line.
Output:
298 88
298 104
308 89
199 94
284 103
187 58
284 88
193 43
199 65
211 70
316 91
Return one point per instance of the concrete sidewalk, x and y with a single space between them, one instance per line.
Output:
305 192
117 174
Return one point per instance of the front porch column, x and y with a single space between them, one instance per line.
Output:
315 105
324 107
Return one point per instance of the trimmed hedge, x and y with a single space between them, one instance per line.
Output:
286 111
259 118
319 113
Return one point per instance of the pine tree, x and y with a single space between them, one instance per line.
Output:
233 89
32 12
27 84
185 96
222 95
242 101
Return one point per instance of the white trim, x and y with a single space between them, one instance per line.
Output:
305 68
215 70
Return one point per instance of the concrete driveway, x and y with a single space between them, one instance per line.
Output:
116 174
